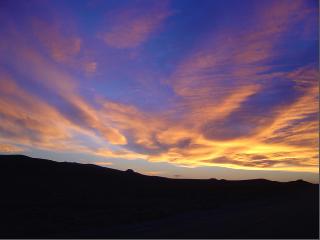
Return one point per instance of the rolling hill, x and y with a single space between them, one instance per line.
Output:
47 199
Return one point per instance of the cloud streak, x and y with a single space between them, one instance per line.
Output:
130 27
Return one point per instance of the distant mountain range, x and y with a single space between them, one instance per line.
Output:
47 199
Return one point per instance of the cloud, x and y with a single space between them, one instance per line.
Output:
132 26
262 163
103 163
153 173
233 105
63 46
6 148
125 154
90 67
61 84
219 85
27 120
58 37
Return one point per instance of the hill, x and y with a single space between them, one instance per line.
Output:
47 199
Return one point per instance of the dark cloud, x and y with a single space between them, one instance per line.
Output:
257 157
230 128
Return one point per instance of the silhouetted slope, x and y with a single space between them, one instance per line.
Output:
43 198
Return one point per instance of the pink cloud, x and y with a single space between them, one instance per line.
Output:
62 46
131 27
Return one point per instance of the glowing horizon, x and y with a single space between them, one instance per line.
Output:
192 84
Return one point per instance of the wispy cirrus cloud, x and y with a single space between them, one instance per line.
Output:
131 26
61 44
61 41
58 82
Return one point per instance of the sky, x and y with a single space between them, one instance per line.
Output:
223 89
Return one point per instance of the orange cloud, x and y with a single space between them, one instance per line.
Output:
41 71
103 163
7 148
28 120
125 154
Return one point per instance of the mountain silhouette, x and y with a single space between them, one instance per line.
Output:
47 199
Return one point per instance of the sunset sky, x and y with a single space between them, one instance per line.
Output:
181 88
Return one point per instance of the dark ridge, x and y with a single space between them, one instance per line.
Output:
46 199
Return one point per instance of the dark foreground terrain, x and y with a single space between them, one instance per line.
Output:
46 199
